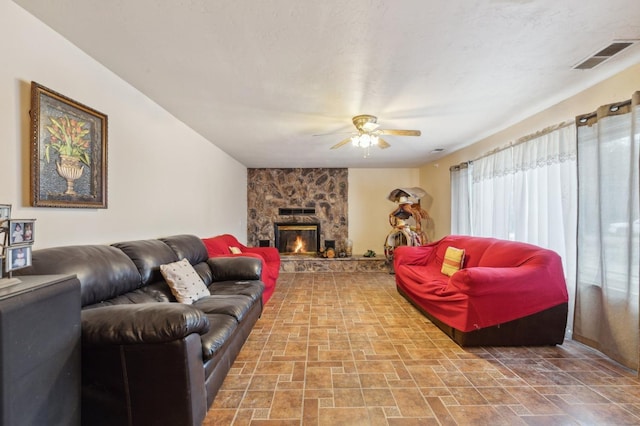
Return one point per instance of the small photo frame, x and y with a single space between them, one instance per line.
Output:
18 257
5 212
21 231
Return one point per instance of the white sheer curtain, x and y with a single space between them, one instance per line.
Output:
608 234
492 195
461 198
545 193
528 192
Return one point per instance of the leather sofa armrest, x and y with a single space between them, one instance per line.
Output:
141 323
233 268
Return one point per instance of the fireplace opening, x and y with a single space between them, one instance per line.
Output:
297 238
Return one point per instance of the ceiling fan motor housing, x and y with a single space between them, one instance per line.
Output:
365 122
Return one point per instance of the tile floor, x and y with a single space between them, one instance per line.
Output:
347 349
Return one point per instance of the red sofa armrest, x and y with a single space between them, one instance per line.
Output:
270 254
479 280
413 255
526 281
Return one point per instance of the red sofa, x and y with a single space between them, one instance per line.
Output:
506 294
221 245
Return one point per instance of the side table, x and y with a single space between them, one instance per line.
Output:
40 351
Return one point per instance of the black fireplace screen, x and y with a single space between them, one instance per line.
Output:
297 238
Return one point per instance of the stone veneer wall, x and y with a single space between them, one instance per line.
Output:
324 189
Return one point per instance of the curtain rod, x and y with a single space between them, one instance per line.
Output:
527 138
612 109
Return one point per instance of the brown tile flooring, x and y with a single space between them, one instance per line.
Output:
347 349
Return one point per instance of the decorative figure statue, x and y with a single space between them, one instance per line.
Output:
407 221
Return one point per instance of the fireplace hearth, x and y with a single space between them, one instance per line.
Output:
297 238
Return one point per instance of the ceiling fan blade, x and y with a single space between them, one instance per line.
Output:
341 143
333 133
382 144
400 132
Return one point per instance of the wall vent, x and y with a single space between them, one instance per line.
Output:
604 54
297 212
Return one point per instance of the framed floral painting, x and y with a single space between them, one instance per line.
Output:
68 152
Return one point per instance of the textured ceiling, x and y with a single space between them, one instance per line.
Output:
259 78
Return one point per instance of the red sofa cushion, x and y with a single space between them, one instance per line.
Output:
500 281
219 246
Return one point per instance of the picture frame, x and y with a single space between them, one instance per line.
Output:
68 152
18 257
5 212
21 231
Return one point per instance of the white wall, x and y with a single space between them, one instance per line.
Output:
434 177
163 177
369 207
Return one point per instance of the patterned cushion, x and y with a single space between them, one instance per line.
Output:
453 260
185 283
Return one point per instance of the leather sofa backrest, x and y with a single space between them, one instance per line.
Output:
148 255
104 272
187 247
193 249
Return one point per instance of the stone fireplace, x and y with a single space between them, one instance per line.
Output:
297 238
297 196
303 198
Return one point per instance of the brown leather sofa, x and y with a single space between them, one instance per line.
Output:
147 359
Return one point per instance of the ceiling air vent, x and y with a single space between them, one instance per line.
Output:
604 54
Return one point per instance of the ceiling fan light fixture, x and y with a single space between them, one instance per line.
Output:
364 140
368 134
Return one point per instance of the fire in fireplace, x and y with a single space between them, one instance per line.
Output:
297 238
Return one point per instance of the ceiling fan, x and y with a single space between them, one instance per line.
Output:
369 134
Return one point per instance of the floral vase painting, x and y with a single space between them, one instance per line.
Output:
69 152
69 139
69 168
